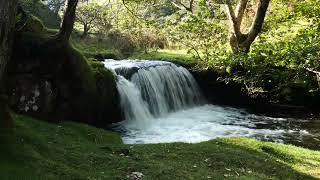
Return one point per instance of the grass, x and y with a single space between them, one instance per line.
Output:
92 46
178 56
40 150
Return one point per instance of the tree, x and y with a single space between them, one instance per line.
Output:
8 10
105 20
68 22
87 15
240 42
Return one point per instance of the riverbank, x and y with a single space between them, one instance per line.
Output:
40 150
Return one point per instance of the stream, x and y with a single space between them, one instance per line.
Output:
162 103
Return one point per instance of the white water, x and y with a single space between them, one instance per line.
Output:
161 102
136 109
196 125
154 90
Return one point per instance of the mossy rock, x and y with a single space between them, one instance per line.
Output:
33 25
108 98
72 81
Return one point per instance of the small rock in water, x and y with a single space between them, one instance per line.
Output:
136 176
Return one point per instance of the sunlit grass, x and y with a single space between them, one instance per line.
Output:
40 150
176 55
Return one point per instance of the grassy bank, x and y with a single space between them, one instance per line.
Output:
38 150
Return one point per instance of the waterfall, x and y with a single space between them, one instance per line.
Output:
153 89
161 103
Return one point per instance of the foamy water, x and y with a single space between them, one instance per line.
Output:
205 123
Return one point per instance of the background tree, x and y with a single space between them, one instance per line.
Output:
8 10
87 15
105 20
240 36
239 41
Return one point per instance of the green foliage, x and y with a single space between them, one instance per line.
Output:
279 59
39 150
33 25
42 11
87 15
93 46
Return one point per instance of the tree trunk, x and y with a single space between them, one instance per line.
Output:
8 10
68 21
85 31
239 42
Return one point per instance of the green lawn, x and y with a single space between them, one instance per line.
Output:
178 56
40 150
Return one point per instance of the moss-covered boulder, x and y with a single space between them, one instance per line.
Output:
107 99
55 81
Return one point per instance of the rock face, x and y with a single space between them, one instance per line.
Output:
56 83
32 95
219 92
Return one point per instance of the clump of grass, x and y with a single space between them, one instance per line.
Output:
39 150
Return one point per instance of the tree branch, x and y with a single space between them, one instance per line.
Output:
181 6
232 19
241 7
256 27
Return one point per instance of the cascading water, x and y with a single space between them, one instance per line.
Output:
161 102
155 89
133 106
